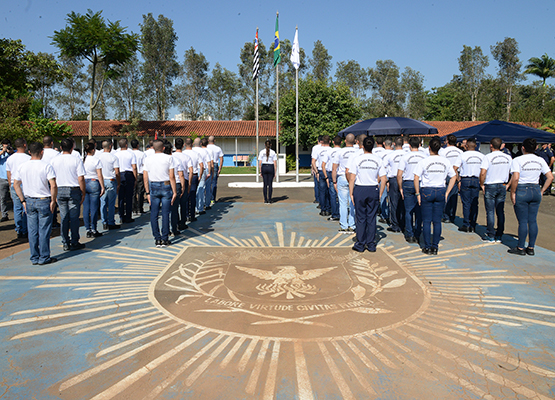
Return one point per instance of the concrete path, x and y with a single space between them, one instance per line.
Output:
262 301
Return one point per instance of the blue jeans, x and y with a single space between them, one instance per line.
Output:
69 202
174 216
192 201
450 210
413 213
334 202
160 200
366 203
494 199
396 208
39 219
108 202
470 191
19 215
324 193
208 191
528 199
183 206
432 203
200 192
4 195
346 206
90 205
384 207
214 188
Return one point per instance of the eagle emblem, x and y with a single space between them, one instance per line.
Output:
287 281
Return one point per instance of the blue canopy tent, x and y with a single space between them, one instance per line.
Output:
391 126
507 131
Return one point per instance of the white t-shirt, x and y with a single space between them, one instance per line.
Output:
453 154
49 154
368 168
140 157
315 150
150 152
433 170
497 164
67 168
391 162
408 163
328 157
91 164
217 152
185 162
195 160
530 166
271 158
378 151
109 163
35 175
319 156
471 164
406 147
14 162
126 160
158 167
204 157
177 167
342 157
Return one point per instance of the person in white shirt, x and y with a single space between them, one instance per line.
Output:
366 185
327 168
13 163
188 173
150 150
49 152
139 192
494 175
405 181
314 169
471 162
267 159
453 154
161 191
429 183
346 206
383 149
39 182
111 176
94 186
178 169
205 159
396 206
218 164
128 177
526 195
406 146
323 191
210 176
198 171
70 178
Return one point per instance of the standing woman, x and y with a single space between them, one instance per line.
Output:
267 159
526 194
429 183
94 183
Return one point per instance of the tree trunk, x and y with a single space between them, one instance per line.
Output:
91 103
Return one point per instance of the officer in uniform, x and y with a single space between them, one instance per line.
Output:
128 171
453 154
218 164
396 207
111 176
188 175
139 193
346 206
471 162
12 165
323 190
366 184
327 168
314 169
198 170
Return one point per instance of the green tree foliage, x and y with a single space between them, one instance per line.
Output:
15 61
224 88
193 92
354 77
472 66
160 67
543 67
448 103
248 91
412 86
286 68
70 98
506 54
125 92
320 62
387 97
44 73
104 44
324 109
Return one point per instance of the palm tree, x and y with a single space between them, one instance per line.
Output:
543 67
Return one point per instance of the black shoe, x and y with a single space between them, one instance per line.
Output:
333 219
464 229
89 234
128 220
207 208
112 227
471 229
193 219
96 234
166 243
105 227
51 260
433 251
4 219
202 213
530 251
445 220
66 247
315 201
411 239
323 213
22 236
425 250
176 233
360 251
77 246
158 243
392 229
371 250
517 251
318 207
142 212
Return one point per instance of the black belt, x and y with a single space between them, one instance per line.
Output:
463 177
39 198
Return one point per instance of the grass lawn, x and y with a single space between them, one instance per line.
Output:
252 170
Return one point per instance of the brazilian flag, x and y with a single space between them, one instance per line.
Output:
277 50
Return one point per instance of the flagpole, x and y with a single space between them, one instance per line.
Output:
297 123
256 113
277 109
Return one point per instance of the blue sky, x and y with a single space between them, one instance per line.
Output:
428 35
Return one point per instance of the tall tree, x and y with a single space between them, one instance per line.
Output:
45 72
354 76
160 68
248 91
472 65
224 94
70 98
104 45
14 69
448 103
320 62
387 96
543 67
412 85
287 70
506 54
193 92
126 93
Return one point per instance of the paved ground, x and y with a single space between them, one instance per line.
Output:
261 302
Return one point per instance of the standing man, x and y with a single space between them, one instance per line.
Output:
205 160
471 162
208 183
544 151
188 175
323 190
180 188
111 175
314 169
128 177
139 192
70 178
453 154
49 152
494 175
366 185
39 200
161 192
198 170
346 206
383 149
14 162
405 181
327 168
218 164
5 152
396 207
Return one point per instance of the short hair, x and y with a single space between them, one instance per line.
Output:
106 144
92 140
388 142
361 138
435 144
168 148
179 143
471 143
66 145
320 137
414 142
496 143
211 139
89 147
350 138
368 143
189 142
405 139
6 141
379 140
399 141
451 140
204 142
122 142
326 139
19 143
47 141
35 148
529 145
158 145
135 144
337 140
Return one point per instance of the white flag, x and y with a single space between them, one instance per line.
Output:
295 56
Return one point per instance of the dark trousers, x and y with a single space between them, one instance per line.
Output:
324 192
334 201
367 200
192 200
450 210
125 196
215 176
396 207
432 203
183 206
470 191
494 199
174 216
160 203
316 189
413 213
139 194
268 172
